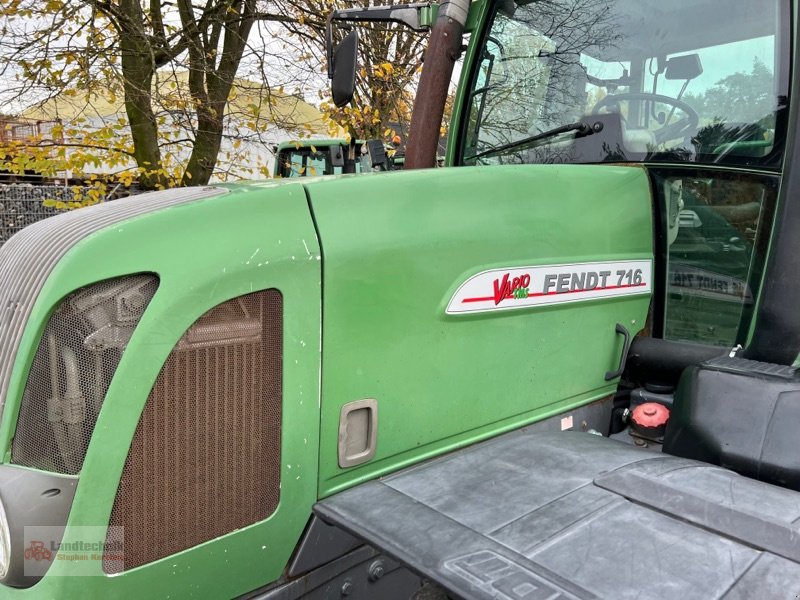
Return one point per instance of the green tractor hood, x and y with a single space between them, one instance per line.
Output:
451 304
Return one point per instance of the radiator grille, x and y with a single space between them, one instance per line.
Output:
80 350
205 458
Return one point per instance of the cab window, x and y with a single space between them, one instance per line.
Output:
718 227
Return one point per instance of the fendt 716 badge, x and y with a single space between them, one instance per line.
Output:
521 287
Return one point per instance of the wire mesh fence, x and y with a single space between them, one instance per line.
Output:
22 204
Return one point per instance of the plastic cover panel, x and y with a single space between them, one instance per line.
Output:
740 414
205 458
78 354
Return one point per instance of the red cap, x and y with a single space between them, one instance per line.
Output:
650 418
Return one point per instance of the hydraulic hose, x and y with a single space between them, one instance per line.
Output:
73 410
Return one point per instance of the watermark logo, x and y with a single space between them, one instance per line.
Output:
38 551
83 549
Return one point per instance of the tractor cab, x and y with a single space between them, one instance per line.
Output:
312 158
697 92
559 103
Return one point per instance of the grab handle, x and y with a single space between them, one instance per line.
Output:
624 356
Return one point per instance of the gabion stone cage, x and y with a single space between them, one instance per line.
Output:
23 204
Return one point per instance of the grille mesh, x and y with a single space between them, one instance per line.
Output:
205 458
80 350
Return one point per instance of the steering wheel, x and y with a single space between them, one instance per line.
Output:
679 128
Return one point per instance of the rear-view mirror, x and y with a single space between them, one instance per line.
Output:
343 75
685 67
342 60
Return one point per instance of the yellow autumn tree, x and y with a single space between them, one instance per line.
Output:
171 67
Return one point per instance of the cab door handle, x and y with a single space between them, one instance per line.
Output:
624 356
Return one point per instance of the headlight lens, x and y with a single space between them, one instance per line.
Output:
5 543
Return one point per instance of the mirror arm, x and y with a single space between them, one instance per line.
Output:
414 16
329 43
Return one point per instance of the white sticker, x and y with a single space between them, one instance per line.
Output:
520 287
567 423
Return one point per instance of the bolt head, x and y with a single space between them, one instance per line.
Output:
376 570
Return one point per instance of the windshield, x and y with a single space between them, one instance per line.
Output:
663 82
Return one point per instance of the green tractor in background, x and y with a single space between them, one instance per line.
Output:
309 158
561 367
336 156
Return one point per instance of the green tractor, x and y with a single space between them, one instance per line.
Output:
337 156
561 367
309 158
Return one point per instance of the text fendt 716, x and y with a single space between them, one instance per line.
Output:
404 384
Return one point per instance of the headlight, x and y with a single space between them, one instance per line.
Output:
5 543
29 499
